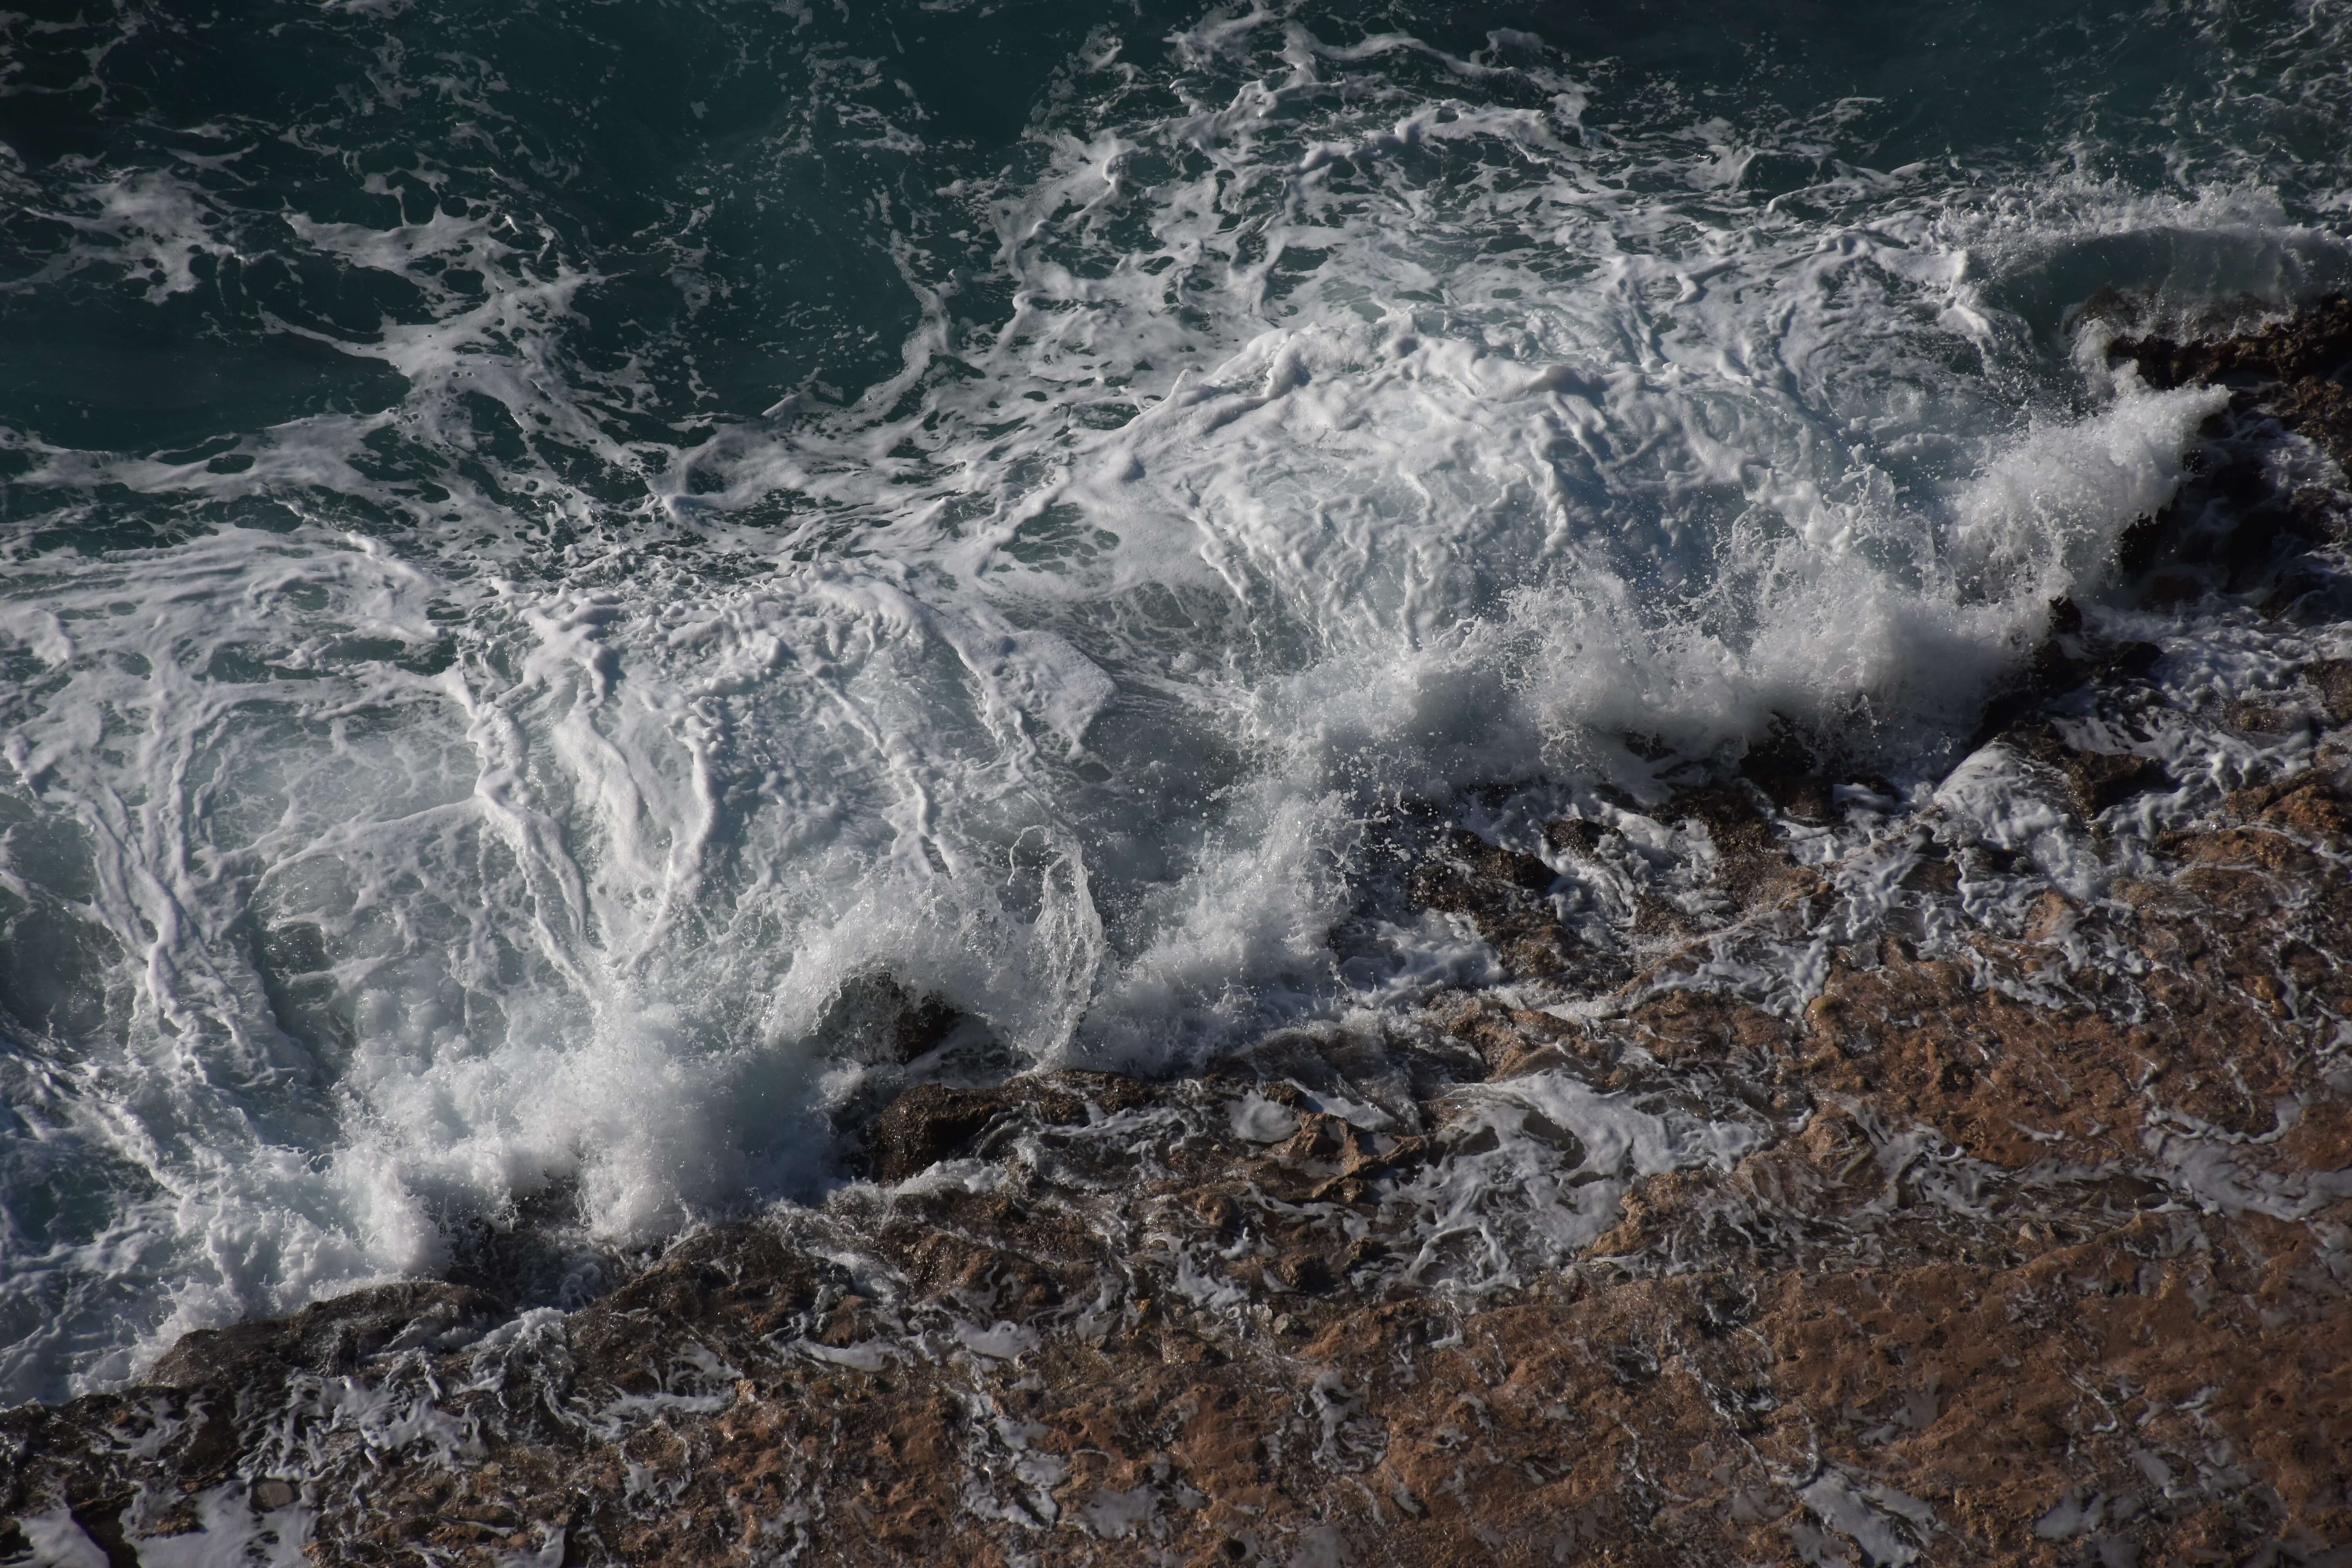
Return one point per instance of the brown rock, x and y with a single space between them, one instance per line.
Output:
926 1124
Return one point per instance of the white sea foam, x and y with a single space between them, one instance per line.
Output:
399 849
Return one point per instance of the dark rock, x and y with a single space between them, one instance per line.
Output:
1467 871
2098 780
1789 774
1499 890
2290 369
2060 666
2136 549
1567 1144
2333 681
1304 1272
875 1017
931 1121
2313 343
926 1124
1574 835
330 1337
100 1519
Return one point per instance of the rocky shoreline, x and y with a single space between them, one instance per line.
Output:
2019 1231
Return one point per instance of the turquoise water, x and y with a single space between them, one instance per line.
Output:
542 540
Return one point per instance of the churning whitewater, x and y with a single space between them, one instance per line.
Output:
545 552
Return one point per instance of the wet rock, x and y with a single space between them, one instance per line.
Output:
2244 520
931 1121
926 1124
2064 663
2314 343
1500 891
1514 1041
1790 774
876 1018
2331 680
1574 835
2097 780
330 1337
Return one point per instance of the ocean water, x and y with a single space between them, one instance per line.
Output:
543 546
